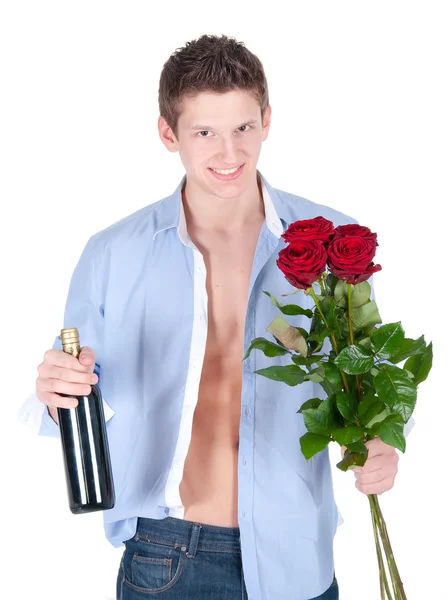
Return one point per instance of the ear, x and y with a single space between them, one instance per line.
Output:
266 122
167 135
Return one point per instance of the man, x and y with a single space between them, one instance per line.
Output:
213 496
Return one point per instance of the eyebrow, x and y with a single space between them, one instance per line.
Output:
208 127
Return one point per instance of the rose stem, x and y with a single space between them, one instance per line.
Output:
350 328
384 585
386 541
333 339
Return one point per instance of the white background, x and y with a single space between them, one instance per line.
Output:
359 123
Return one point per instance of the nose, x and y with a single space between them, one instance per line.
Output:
230 154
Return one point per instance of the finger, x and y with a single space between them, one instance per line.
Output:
68 375
60 358
377 463
376 488
64 387
87 358
377 447
54 401
376 476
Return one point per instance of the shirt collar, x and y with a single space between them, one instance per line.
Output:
172 214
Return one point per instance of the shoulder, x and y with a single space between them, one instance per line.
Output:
139 225
298 208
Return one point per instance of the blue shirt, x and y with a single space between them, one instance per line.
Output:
138 298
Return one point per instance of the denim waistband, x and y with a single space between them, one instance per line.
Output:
190 536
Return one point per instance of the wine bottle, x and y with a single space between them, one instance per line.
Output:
85 448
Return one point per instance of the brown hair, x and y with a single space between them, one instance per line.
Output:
209 64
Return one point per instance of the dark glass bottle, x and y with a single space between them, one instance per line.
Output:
85 447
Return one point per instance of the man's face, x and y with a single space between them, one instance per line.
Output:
219 131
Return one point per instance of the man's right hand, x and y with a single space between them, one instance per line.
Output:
62 373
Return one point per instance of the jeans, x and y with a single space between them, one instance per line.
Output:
178 559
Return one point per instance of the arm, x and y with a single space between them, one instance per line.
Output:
84 310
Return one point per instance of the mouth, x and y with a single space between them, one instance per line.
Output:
227 176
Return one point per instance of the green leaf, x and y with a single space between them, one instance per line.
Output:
267 347
420 365
309 360
358 447
391 432
377 421
311 403
312 443
289 374
365 342
397 390
355 456
369 408
319 420
354 360
328 307
317 336
409 347
289 336
314 377
365 316
318 332
290 309
332 384
360 294
340 293
347 435
387 340
331 281
347 405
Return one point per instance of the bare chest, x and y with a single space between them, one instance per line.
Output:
229 264
209 488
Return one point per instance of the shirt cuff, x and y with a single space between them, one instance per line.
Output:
34 414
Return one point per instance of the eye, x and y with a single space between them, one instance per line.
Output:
205 131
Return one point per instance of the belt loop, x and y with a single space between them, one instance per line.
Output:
194 539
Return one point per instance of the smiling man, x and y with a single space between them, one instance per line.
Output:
213 496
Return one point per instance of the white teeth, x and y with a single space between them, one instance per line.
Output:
226 171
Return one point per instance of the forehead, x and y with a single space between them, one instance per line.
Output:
219 109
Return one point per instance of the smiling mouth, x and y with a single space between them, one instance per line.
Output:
227 168
228 174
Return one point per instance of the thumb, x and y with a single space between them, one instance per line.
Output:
87 357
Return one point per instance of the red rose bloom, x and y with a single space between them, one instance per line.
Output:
350 258
302 262
354 230
319 229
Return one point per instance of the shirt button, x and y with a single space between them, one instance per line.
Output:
202 317
244 461
244 513
247 411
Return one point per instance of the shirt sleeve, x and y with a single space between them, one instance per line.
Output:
84 310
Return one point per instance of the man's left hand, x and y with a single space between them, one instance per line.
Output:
379 471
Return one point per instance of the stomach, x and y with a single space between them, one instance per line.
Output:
209 487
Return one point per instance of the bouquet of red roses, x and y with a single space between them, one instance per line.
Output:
347 352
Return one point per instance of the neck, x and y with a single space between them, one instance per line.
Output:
204 212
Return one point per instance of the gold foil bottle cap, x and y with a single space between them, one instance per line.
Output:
70 341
